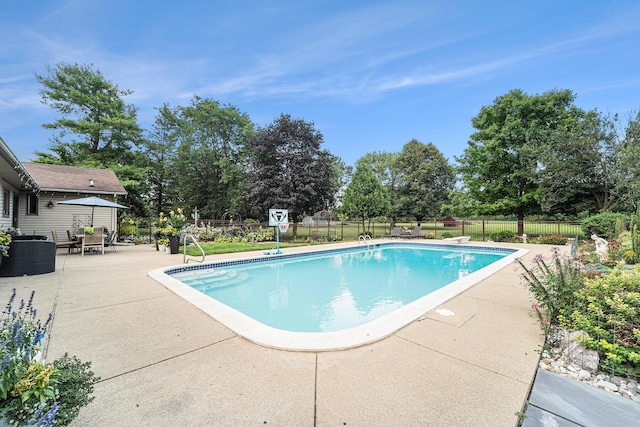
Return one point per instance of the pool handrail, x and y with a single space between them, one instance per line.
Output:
184 249
366 239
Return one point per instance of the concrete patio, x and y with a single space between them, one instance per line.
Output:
163 362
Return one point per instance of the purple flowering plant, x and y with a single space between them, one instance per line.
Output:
33 392
25 382
553 282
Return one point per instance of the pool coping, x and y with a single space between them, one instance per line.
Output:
375 330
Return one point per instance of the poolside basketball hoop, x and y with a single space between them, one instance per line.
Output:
283 226
278 218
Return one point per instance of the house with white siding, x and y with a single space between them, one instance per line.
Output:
31 191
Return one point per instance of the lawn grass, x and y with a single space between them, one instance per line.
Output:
215 248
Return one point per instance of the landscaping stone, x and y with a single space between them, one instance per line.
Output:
565 356
580 356
607 386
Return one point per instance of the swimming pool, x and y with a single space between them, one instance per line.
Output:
273 301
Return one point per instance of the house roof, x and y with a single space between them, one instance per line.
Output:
58 178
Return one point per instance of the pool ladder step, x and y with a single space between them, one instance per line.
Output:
366 239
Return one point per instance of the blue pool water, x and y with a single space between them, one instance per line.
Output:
335 290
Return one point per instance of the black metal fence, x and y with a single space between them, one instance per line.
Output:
478 229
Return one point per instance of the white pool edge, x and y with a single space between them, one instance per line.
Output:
372 331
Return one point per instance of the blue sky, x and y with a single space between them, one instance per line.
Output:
371 75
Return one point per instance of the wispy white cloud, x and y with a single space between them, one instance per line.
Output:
336 52
369 82
355 56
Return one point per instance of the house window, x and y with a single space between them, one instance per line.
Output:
32 204
6 199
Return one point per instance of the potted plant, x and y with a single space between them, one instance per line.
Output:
169 228
5 241
177 222
163 243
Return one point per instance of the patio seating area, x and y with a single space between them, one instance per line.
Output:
415 234
93 240
83 242
70 243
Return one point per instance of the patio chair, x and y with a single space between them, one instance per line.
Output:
95 240
70 244
111 240
73 238
415 234
395 233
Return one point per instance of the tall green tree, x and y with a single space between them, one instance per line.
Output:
97 127
382 164
159 149
290 170
579 170
210 166
365 197
629 165
498 167
342 177
424 181
133 179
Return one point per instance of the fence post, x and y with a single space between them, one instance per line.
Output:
483 235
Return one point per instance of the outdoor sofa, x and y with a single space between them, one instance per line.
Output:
29 255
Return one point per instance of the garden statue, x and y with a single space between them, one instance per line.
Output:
602 247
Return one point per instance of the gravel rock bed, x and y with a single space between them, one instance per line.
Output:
564 355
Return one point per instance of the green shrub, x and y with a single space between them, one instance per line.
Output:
550 239
552 282
629 256
446 235
603 224
503 236
74 388
233 234
608 311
